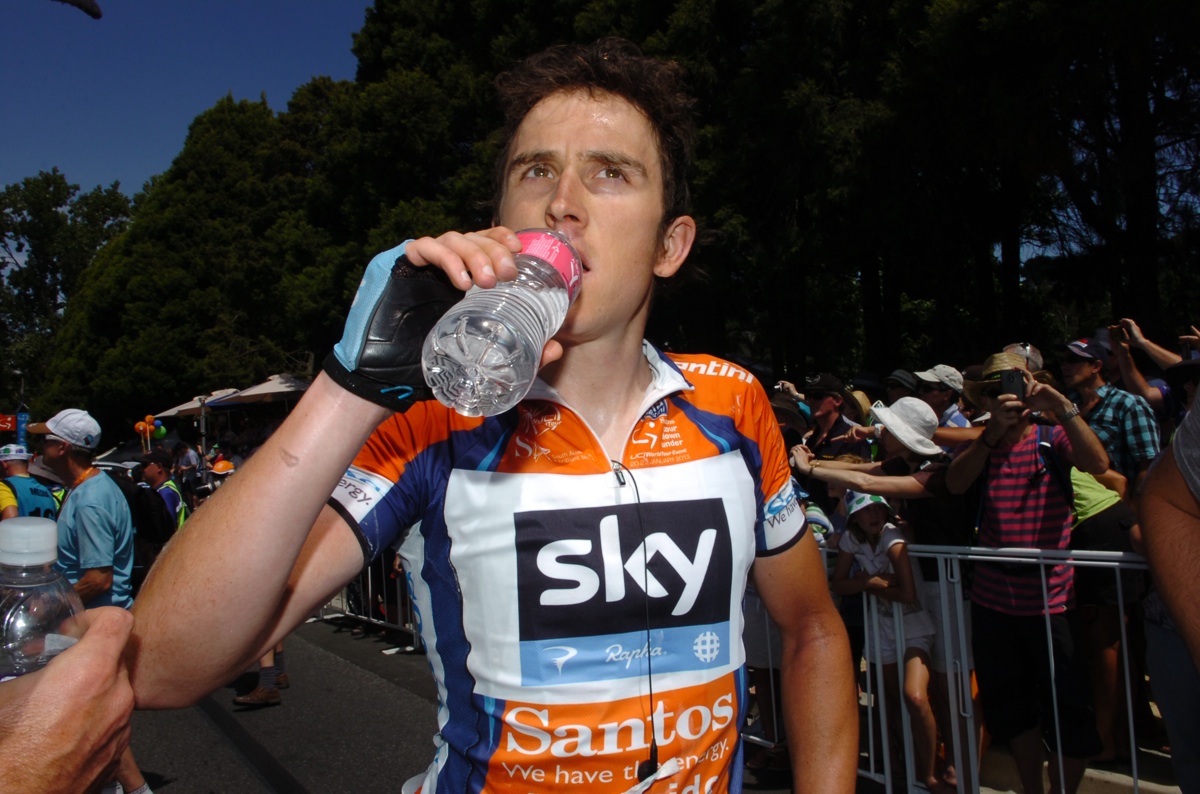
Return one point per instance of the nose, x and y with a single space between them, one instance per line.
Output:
566 210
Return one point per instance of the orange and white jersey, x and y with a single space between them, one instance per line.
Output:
580 604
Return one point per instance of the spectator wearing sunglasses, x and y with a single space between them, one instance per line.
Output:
1123 422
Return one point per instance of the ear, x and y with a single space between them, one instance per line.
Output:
677 243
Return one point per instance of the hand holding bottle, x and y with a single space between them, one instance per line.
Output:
483 355
400 299
64 727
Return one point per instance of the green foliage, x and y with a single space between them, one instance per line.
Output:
878 182
49 233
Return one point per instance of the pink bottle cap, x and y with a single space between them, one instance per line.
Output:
553 247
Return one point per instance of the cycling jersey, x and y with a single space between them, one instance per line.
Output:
577 608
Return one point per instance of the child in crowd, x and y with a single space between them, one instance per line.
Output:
879 549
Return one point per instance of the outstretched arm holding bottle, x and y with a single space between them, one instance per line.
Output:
265 546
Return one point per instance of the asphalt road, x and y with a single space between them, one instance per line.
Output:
354 720
360 716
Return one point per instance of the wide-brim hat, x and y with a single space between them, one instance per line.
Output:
912 422
39 470
993 366
14 452
856 501
856 405
791 414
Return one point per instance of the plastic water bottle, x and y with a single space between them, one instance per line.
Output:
483 355
41 613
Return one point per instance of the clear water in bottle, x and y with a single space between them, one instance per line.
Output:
482 356
41 614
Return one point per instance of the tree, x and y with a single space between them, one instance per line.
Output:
188 298
49 234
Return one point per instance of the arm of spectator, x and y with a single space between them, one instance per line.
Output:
64 727
9 512
1192 340
265 548
820 708
1170 521
969 463
856 479
840 581
903 589
789 388
1135 382
1087 453
803 459
1162 357
858 433
953 437
1113 480
95 582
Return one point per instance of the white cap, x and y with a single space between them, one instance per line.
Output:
73 425
28 540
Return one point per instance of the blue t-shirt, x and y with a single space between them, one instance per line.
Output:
95 530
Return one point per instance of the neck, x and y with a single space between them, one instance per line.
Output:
825 422
1018 431
76 471
1088 395
604 383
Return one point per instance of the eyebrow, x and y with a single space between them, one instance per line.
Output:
606 157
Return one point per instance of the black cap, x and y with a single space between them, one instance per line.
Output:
159 456
903 378
823 383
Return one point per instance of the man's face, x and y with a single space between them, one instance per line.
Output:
1078 371
823 404
590 167
895 391
54 454
939 396
153 474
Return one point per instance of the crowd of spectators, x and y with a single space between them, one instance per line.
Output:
1020 449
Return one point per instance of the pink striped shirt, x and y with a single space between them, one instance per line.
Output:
1024 506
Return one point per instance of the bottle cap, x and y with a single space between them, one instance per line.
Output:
26 540
553 247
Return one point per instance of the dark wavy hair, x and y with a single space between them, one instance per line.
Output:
613 66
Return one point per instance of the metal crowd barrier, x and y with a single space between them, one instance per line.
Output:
379 596
876 732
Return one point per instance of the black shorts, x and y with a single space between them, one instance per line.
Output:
1012 666
1108 530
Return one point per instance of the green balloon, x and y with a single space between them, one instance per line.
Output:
159 432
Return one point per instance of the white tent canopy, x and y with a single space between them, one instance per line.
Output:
193 406
274 389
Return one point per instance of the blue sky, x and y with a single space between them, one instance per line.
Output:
111 99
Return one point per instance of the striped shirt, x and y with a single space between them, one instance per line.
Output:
1024 506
